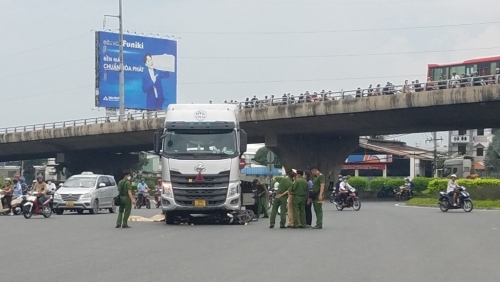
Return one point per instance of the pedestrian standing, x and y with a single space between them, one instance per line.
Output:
308 200
262 199
290 200
8 190
299 190
317 192
126 200
280 201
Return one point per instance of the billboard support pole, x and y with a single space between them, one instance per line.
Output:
122 70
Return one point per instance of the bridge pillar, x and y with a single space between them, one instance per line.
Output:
99 163
328 152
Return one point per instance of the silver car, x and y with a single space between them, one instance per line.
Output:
86 191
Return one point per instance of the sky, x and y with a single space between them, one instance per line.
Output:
233 49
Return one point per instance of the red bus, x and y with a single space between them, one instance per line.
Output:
484 66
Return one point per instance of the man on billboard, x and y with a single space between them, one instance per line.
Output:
151 84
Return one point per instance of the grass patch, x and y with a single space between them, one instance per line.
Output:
433 202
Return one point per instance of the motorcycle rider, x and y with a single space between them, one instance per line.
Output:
24 186
337 188
41 188
452 189
409 187
18 190
344 188
142 188
8 190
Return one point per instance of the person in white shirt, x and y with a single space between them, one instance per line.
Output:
452 188
51 187
344 188
455 80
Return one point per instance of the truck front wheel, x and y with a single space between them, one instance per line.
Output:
169 218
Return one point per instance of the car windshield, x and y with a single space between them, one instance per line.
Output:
221 143
80 182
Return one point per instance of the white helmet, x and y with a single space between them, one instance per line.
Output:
453 176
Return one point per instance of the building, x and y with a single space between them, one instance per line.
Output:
471 142
388 158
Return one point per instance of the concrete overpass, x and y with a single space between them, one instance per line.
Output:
302 135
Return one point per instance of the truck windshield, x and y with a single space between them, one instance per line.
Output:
220 143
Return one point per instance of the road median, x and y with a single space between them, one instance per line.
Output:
433 202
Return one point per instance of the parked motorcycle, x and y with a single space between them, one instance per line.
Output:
352 200
31 207
464 201
332 196
143 201
386 192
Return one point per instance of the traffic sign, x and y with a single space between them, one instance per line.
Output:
270 157
270 167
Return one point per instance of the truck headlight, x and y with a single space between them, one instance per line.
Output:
86 196
57 196
167 189
234 189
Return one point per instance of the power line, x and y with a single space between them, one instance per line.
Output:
343 55
44 46
47 68
329 31
298 80
45 93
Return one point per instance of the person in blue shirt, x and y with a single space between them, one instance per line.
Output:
18 190
142 188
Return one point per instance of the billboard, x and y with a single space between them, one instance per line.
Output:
150 71
369 159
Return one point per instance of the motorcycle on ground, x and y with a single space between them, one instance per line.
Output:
32 207
464 201
142 200
386 192
352 200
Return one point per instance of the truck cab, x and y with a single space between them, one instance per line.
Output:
200 148
460 166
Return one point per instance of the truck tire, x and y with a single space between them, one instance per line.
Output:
169 218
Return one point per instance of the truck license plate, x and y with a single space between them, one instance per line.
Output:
70 204
200 203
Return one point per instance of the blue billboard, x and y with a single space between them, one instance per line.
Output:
150 71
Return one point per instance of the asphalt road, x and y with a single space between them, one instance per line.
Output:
381 242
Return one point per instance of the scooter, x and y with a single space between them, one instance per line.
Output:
144 201
16 204
158 199
352 200
31 207
464 201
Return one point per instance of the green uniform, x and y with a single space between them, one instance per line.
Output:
262 204
284 185
126 203
318 207
299 190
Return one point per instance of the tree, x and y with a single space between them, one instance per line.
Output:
143 161
261 157
492 160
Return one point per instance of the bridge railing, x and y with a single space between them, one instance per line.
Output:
374 91
276 101
88 121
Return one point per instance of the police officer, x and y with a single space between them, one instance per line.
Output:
280 201
317 192
299 190
262 198
126 200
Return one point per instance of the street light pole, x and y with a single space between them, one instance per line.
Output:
122 70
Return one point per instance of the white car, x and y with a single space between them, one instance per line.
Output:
86 191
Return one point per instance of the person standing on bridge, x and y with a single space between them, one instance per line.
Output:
280 201
126 200
317 196
299 190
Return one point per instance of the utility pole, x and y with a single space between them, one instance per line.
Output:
434 139
121 83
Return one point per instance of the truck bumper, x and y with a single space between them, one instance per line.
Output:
232 203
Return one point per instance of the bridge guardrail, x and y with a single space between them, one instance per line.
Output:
317 97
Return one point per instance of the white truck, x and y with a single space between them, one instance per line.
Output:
200 149
460 166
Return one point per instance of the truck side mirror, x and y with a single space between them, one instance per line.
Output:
243 141
157 142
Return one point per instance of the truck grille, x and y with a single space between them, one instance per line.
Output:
213 190
71 198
